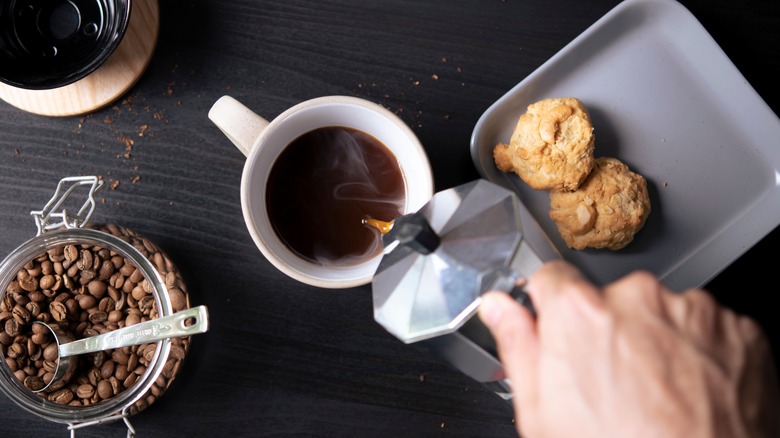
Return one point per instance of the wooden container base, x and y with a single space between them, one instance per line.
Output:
106 84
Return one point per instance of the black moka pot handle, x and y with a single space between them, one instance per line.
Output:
509 281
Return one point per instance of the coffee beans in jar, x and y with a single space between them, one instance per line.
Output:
86 289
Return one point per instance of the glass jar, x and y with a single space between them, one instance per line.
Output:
155 290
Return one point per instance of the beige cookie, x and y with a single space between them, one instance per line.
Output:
608 209
551 147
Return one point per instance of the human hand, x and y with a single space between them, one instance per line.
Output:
631 359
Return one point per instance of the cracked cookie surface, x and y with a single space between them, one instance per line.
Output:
551 147
608 209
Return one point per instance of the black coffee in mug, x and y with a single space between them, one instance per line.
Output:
324 184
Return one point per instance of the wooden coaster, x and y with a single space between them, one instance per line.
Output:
106 84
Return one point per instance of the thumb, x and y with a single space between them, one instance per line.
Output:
514 330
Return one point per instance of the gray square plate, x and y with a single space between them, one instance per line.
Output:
665 100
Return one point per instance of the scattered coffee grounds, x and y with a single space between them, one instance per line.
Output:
87 290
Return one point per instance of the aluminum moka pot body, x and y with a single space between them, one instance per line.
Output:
439 261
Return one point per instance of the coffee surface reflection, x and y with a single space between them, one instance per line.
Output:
324 184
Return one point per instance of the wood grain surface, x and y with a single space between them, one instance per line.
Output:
281 358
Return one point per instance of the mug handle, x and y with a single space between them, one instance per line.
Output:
240 124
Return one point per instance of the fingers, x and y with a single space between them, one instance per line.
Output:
560 285
514 330
646 291
550 276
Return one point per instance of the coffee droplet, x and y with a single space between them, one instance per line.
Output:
381 226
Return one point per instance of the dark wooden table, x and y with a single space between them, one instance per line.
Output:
281 358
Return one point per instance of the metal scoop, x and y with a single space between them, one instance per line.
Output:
180 324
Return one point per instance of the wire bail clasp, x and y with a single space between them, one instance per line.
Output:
61 194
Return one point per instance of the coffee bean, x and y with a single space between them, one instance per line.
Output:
138 292
167 370
146 304
12 364
36 297
178 299
97 288
68 281
16 350
55 385
85 391
73 271
121 372
29 284
86 301
132 319
127 268
94 376
21 298
104 389
128 286
177 352
56 254
34 383
149 353
117 261
32 349
12 327
34 308
21 314
120 357
159 261
106 270
132 361
34 270
72 306
137 276
86 276
58 311
140 369
47 267
47 282
40 338
98 317
130 380
87 290
85 261
107 370
116 385
106 304
50 352
117 281
71 253
62 396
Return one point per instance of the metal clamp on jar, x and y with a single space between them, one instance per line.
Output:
88 280
438 262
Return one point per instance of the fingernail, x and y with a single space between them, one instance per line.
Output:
490 310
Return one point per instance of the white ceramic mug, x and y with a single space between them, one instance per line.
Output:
262 142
